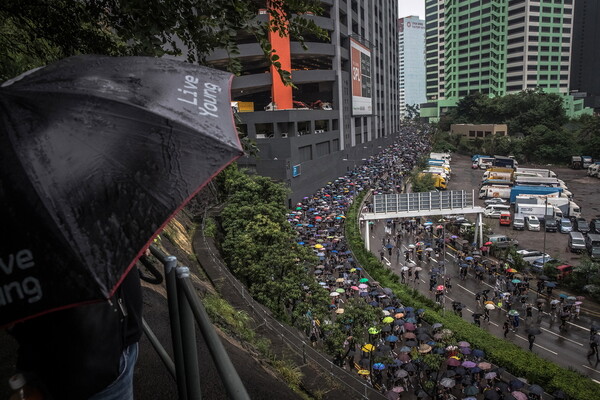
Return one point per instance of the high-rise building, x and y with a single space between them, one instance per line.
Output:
345 103
496 48
411 66
585 58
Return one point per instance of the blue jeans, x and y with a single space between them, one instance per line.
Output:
122 387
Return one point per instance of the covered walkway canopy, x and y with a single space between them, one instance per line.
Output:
403 205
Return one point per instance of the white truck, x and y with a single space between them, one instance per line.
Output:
539 210
544 173
496 191
441 156
563 206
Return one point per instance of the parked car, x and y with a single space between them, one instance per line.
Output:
550 224
538 265
581 225
532 222
562 271
534 255
495 200
519 222
595 225
565 225
576 242
502 241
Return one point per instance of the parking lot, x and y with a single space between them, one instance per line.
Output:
585 191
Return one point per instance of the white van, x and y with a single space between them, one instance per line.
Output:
494 210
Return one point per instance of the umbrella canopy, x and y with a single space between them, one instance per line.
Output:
490 306
464 344
468 364
379 366
484 365
401 373
534 330
513 313
392 338
490 375
471 390
536 389
448 382
453 362
519 395
97 154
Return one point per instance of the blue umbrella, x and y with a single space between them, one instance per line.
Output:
409 309
478 353
392 338
374 303
563 296
405 349
379 366
301 243
468 258
550 284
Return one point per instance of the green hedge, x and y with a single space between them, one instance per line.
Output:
498 351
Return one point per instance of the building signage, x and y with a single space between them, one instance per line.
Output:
296 170
360 57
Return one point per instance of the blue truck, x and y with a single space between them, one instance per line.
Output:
506 162
532 190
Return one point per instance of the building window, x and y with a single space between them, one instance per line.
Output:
305 153
323 149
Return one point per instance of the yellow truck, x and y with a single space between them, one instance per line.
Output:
438 181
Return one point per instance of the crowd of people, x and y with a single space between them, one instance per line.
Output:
389 354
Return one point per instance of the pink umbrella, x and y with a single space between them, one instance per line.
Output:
409 326
354 288
464 344
468 364
363 286
453 362
519 395
398 389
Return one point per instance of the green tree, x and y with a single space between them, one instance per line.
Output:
422 182
37 32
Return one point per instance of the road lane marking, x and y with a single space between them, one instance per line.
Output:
464 288
535 344
562 337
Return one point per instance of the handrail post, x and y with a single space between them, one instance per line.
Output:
188 339
170 263
231 380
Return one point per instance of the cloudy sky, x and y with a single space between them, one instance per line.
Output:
411 7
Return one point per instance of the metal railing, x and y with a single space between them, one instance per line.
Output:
185 307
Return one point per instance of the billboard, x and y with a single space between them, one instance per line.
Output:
360 59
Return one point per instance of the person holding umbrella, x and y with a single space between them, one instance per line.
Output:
531 340
594 347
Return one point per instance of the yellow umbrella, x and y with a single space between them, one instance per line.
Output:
363 372
368 348
339 311
318 246
387 320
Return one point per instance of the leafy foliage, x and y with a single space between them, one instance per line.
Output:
37 32
260 247
422 182
537 123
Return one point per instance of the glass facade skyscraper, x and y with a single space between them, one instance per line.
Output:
411 66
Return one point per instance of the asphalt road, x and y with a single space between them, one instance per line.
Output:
567 347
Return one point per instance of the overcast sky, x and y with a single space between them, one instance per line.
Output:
411 7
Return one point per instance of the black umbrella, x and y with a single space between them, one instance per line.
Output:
534 330
96 155
536 389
